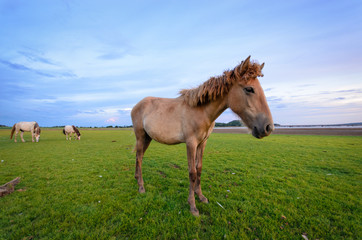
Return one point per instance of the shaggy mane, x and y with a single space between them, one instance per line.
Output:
219 86
36 128
76 130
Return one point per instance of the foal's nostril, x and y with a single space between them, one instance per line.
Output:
268 129
255 132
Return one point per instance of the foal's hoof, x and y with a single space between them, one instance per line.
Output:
203 199
141 190
195 212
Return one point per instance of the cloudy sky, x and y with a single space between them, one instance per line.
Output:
88 63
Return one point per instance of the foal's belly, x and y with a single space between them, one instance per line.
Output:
164 131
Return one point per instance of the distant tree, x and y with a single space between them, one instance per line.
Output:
234 123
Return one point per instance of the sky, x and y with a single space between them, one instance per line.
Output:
87 63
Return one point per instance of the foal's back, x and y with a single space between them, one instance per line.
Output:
68 129
25 126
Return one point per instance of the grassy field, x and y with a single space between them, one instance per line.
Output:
281 187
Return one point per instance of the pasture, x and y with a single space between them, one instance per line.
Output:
280 187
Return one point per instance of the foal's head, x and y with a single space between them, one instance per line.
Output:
246 98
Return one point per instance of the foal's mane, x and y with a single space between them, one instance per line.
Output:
37 128
76 130
219 86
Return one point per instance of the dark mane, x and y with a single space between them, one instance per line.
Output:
219 86
76 130
36 128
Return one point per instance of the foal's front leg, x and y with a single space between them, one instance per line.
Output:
199 154
21 136
191 157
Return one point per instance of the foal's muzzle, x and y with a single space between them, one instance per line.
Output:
263 128
263 132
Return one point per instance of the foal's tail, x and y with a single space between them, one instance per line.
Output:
63 131
12 131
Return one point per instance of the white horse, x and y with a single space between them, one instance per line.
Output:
32 127
71 130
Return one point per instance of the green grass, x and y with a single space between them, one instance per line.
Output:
277 188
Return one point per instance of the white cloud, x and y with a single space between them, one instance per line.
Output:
112 120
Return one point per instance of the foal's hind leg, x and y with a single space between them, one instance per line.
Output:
199 154
16 136
143 141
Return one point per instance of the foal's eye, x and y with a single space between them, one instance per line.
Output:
249 90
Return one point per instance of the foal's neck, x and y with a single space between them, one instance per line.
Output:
215 108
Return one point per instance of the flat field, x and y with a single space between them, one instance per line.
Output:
280 187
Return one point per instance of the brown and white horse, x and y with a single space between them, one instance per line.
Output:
69 130
190 118
32 127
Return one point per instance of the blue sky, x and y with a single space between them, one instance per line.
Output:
88 63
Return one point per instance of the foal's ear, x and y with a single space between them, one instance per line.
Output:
245 66
261 66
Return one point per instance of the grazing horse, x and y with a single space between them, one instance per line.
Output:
32 127
71 130
190 118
